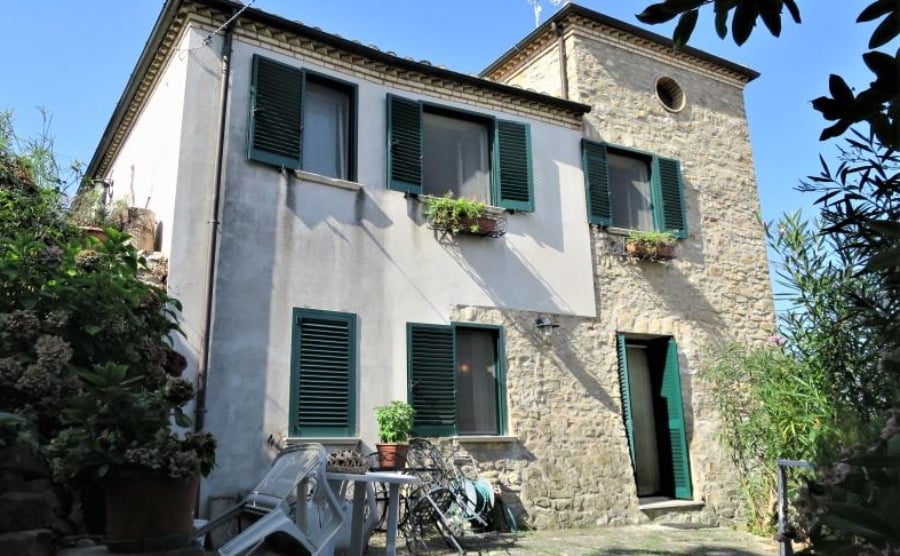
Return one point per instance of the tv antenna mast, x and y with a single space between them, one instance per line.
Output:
538 8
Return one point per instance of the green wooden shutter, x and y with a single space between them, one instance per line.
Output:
276 113
671 393
625 388
404 148
432 379
670 211
323 378
515 179
596 183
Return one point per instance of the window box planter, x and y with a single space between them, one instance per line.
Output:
657 246
452 215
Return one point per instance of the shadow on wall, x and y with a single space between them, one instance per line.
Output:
501 271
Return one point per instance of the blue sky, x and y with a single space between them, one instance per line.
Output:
74 59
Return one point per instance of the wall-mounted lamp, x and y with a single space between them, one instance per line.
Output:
545 324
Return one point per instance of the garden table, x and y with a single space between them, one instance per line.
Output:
393 480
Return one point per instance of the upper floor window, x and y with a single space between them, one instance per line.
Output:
302 120
633 190
434 149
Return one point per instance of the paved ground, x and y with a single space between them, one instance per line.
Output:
635 540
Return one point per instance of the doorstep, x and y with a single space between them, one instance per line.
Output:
661 503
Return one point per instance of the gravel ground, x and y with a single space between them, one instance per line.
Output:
634 540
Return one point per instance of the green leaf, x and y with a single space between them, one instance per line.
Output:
840 90
794 10
92 378
770 11
685 28
721 23
91 329
181 419
657 13
876 9
857 520
889 258
886 31
744 20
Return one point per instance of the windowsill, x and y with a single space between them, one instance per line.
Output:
661 503
485 439
325 180
324 440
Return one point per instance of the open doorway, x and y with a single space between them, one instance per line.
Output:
650 380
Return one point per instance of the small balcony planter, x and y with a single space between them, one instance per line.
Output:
649 245
458 215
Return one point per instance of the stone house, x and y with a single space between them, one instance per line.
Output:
287 168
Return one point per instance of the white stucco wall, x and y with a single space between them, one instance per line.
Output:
289 243
144 172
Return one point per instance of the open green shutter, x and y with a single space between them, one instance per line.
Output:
671 196
671 393
404 148
515 179
432 379
324 374
276 113
625 388
596 183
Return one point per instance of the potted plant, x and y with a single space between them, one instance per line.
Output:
648 244
395 423
459 215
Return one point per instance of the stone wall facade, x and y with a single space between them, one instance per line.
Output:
571 465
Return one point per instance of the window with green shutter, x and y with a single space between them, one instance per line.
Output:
302 120
456 379
323 374
434 150
653 416
634 190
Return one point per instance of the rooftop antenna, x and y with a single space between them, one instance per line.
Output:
536 4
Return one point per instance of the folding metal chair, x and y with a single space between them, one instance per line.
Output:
293 499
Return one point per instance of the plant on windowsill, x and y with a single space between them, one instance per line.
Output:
395 423
648 244
459 215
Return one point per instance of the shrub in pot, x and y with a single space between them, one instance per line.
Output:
460 215
395 422
650 244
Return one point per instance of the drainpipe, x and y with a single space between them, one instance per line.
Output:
203 370
563 60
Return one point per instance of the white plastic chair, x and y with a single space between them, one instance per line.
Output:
318 515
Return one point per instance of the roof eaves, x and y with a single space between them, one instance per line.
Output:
576 10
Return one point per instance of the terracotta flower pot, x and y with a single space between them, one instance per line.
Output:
147 511
392 456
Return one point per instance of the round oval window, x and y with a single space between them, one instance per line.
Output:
670 94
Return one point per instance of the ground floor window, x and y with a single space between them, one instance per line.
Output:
323 374
653 413
456 379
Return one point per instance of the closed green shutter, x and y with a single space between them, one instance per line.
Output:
596 183
671 196
514 173
323 388
432 379
625 388
404 148
671 393
276 113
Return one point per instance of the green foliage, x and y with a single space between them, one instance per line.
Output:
879 104
395 421
650 238
773 406
819 278
854 499
454 214
85 346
